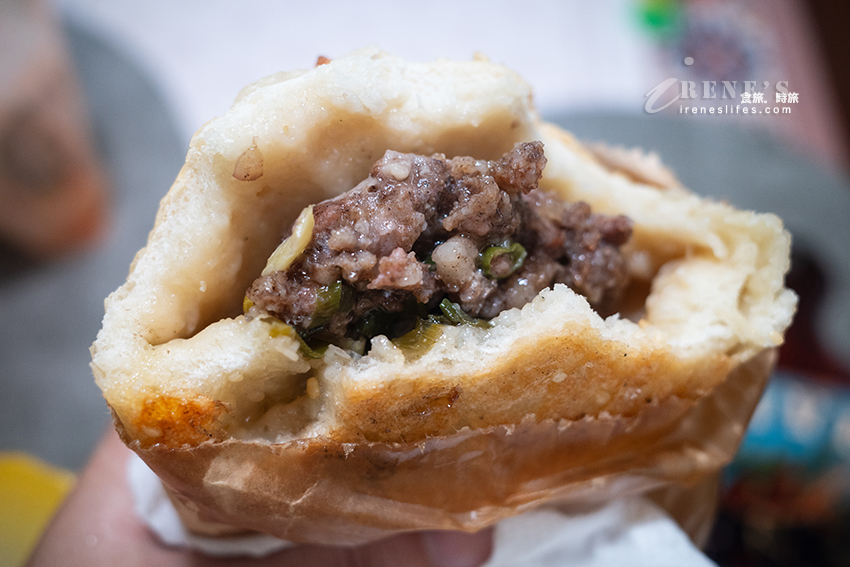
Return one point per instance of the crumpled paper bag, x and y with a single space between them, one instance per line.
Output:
633 531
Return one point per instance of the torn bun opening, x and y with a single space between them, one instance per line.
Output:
191 367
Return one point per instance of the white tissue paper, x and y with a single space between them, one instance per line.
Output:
632 531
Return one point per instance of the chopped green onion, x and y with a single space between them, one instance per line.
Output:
317 351
280 329
373 323
420 340
457 316
454 313
331 299
515 251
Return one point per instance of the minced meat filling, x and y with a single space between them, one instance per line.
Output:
423 229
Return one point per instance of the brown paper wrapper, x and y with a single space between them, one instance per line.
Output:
322 491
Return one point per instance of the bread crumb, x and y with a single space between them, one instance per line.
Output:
312 388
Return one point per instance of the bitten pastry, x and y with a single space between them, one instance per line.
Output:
384 296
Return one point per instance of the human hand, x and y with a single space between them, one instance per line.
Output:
97 526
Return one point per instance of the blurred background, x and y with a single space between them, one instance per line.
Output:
748 101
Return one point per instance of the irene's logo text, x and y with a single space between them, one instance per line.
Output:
733 95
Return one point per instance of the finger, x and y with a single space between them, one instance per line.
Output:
427 549
458 549
96 525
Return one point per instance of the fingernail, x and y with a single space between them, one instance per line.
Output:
458 549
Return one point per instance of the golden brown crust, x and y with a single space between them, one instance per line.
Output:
567 376
176 421
324 491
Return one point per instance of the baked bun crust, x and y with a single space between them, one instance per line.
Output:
551 402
